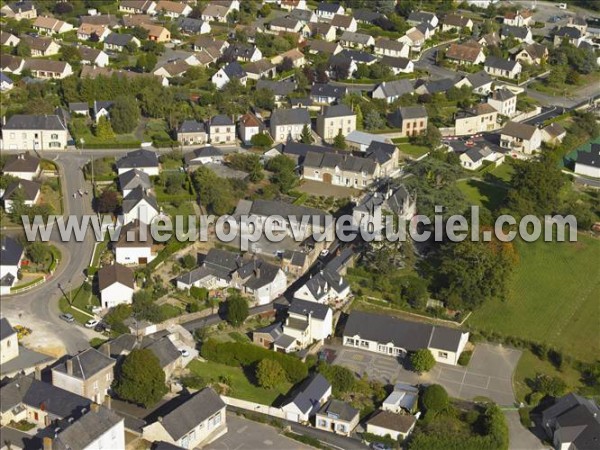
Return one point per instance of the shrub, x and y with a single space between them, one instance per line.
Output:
435 399
422 360
464 358
524 417
269 373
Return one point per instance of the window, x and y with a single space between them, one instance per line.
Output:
95 386
108 376
323 423
54 136
12 135
443 355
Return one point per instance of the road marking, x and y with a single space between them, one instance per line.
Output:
241 430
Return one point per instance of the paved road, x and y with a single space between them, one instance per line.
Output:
521 438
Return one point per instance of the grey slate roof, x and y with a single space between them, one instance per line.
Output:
479 79
25 162
518 32
193 412
319 285
87 364
339 410
407 113
420 16
189 25
358 38
207 151
136 196
191 126
30 189
291 116
303 15
274 207
79 107
280 88
328 90
518 130
396 88
274 330
591 158
358 56
503 95
337 111
398 63
499 63
118 39
328 7
234 70
221 121
33 122
305 307
404 334
86 430
138 159
6 329
162 347
396 200
570 32
310 392
443 85
11 251
366 15
343 161
134 178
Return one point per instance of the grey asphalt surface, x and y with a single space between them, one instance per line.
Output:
521 438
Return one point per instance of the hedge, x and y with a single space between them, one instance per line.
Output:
115 145
247 354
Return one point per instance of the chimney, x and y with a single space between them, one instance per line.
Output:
108 401
94 407
38 374
69 364
47 443
106 349
160 418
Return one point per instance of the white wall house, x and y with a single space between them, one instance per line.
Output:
9 341
314 392
588 163
307 322
521 137
116 284
324 287
34 132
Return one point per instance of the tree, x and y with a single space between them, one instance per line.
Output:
264 99
124 114
432 137
553 386
262 140
141 379
306 136
269 373
435 399
359 118
284 173
146 62
37 252
422 360
103 129
188 261
374 121
70 54
340 140
247 162
237 309
108 202
415 291
23 49
341 378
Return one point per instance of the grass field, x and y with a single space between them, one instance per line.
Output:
413 150
242 386
480 193
553 298
503 172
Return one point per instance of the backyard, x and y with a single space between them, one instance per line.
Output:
482 193
552 298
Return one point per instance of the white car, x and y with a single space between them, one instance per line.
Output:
324 253
184 352
92 323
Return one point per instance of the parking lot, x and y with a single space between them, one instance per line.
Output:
246 434
489 373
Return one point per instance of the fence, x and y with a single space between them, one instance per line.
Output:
526 115
255 407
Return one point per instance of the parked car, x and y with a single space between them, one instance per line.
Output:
102 327
67 317
184 352
324 253
92 323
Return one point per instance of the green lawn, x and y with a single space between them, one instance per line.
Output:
413 150
553 298
481 193
503 172
242 387
79 129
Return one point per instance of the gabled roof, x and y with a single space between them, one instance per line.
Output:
282 116
134 178
337 111
34 122
202 152
276 207
570 32
289 23
366 15
343 161
555 129
454 20
342 21
478 153
6 329
328 7
338 409
118 39
30 189
24 162
396 88
220 121
310 393
162 347
192 413
11 251
328 90
259 67
115 273
421 16
280 88
390 421
389 44
131 236
575 420
189 24
234 70
21 6
274 330
396 200
46 65
192 126
479 79
359 38
435 86
87 430
314 309
463 52
518 32
138 159
499 63
518 130
591 158
503 95
9 62
37 43
87 364
137 195
301 14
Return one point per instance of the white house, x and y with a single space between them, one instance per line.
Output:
307 322
588 163
521 137
116 284
326 11
134 245
50 25
204 155
98 428
396 426
132 179
314 392
24 166
337 417
402 399
474 158
504 101
394 337
9 341
482 117
221 130
173 9
390 47
231 71
140 205
249 126
28 191
288 123
11 255
142 160
502 67
324 287
93 56
34 132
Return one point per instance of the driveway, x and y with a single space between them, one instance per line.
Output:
247 434
521 438
489 373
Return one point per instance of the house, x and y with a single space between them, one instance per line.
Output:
93 56
338 417
389 47
89 374
161 344
19 10
140 205
304 15
34 132
521 18
120 41
396 426
156 33
218 10
50 25
324 287
327 93
489 40
385 155
551 134
360 141
11 64
47 69
482 117
288 124
279 89
193 26
210 43
356 40
6 84
293 5
521 34
135 245
402 203
572 35
25 166
295 262
11 255
8 39
475 157
434 86
93 32
414 38
532 54
132 179
173 9
395 337
520 137
192 132
172 69
412 120
314 392
572 422
502 67
307 322
326 11
391 91
344 23
39 403
138 6
504 101
466 53
419 17
231 71
403 399
143 160
285 24
480 82
334 120
195 423
41 46
116 285
398 65
294 55
9 342
340 169
243 52
267 335
109 20
98 428
454 22
221 130
28 192
588 163
249 126
322 30
260 69
204 155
